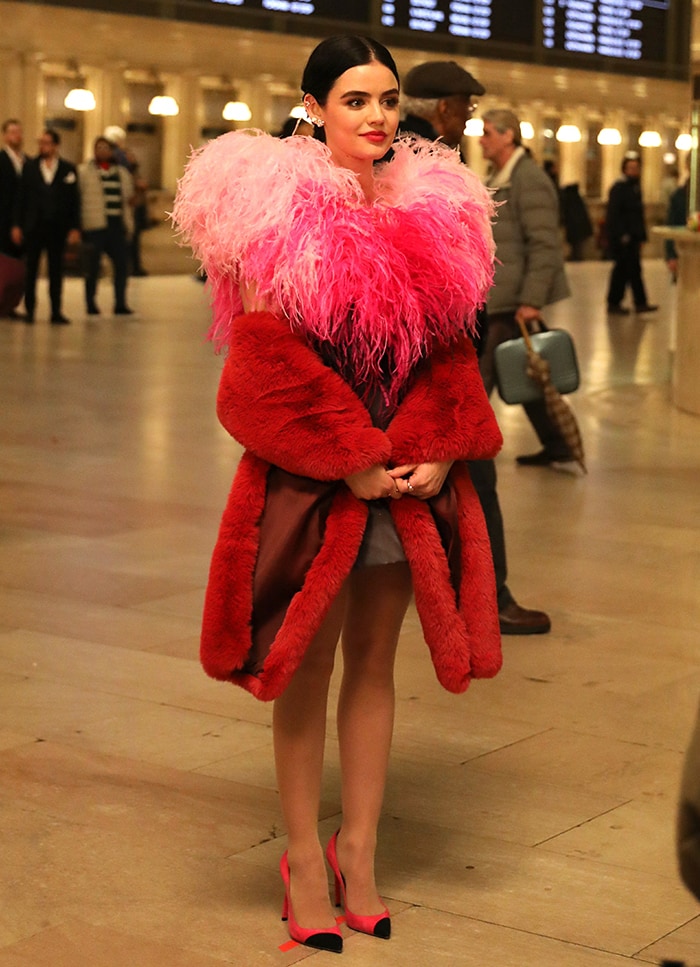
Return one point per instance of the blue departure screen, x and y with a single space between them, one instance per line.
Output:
629 29
350 10
499 21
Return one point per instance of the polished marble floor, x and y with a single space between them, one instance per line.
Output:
528 822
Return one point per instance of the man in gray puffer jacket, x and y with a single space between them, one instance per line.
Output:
530 262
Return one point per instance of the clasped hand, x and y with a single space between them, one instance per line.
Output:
421 480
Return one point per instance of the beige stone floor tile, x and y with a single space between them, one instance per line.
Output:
9 740
172 737
145 731
104 624
453 734
583 761
45 709
682 944
105 669
74 576
637 835
569 899
114 842
432 938
187 605
77 944
661 717
187 648
514 808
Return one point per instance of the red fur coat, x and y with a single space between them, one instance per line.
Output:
299 421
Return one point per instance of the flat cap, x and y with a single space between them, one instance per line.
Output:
440 78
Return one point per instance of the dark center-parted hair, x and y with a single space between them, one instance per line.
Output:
335 55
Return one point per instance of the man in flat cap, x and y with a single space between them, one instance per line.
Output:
437 101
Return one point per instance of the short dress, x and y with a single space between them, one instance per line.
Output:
381 543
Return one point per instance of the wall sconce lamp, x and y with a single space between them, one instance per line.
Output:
650 139
609 136
236 111
568 134
162 105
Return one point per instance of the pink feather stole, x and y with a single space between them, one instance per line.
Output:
382 282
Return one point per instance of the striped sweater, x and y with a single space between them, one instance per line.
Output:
105 193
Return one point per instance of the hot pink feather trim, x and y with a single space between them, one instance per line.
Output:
389 278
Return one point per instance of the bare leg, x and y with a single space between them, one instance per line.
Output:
299 731
377 604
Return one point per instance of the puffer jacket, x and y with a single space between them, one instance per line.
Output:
530 260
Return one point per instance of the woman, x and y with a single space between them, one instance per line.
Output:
345 293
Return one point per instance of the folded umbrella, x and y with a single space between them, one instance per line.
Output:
559 411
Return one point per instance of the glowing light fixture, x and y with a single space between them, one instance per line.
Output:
474 128
568 134
80 99
162 105
650 139
298 111
670 158
236 111
527 132
609 136
684 142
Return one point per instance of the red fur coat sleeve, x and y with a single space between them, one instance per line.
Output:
446 414
281 402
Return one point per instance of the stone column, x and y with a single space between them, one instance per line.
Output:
180 133
572 156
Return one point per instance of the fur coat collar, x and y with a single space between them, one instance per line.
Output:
382 282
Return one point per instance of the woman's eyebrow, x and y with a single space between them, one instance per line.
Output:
394 90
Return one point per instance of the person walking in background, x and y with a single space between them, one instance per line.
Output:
437 101
357 422
677 216
626 232
577 222
47 217
124 156
106 215
529 262
12 160
139 203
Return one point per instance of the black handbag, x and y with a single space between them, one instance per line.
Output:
511 358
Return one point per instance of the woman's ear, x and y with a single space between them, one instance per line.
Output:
312 108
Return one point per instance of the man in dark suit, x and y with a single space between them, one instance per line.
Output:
47 216
627 232
11 163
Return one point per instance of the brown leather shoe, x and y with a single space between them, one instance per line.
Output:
515 620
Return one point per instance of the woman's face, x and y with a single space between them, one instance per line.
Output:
361 114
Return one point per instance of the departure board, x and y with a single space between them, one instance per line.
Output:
635 30
648 38
491 20
357 11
